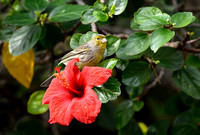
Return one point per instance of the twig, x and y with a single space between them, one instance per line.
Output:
175 4
151 63
80 2
94 27
74 28
192 41
102 1
153 84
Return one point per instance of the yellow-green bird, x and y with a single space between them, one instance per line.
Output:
89 54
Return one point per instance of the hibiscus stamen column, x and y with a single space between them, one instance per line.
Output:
62 81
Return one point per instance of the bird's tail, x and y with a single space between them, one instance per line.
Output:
47 81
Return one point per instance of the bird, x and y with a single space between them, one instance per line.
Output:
89 54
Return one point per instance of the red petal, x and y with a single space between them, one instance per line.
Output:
55 89
72 73
86 108
91 76
60 111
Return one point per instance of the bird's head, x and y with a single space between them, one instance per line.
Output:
99 40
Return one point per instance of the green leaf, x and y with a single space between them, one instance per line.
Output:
66 13
101 16
159 37
137 43
109 63
112 44
193 60
131 128
74 42
158 128
134 25
134 92
20 19
120 5
187 79
169 58
121 53
186 123
86 37
108 91
146 13
36 5
24 39
122 64
125 111
87 16
182 19
98 5
136 74
5 33
35 103
53 4
157 21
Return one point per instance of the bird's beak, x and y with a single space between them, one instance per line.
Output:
103 41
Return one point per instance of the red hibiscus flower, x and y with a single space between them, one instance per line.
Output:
70 94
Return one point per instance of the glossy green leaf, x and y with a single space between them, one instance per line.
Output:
5 33
125 111
158 128
35 103
193 60
98 5
136 74
24 39
87 16
186 123
36 5
169 58
87 37
122 64
20 19
157 21
120 5
182 19
146 13
121 53
54 4
109 63
66 13
187 79
159 37
112 44
108 91
74 42
134 92
185 129
134 25
101 16
131 128
137 43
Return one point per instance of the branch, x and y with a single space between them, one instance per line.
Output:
80 2
153 84
94 27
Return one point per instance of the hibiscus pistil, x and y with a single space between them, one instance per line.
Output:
62 80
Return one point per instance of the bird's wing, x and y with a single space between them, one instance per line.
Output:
76 53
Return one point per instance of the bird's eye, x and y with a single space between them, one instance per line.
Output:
98 38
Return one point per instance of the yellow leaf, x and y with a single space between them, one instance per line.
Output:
20 67
143 127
